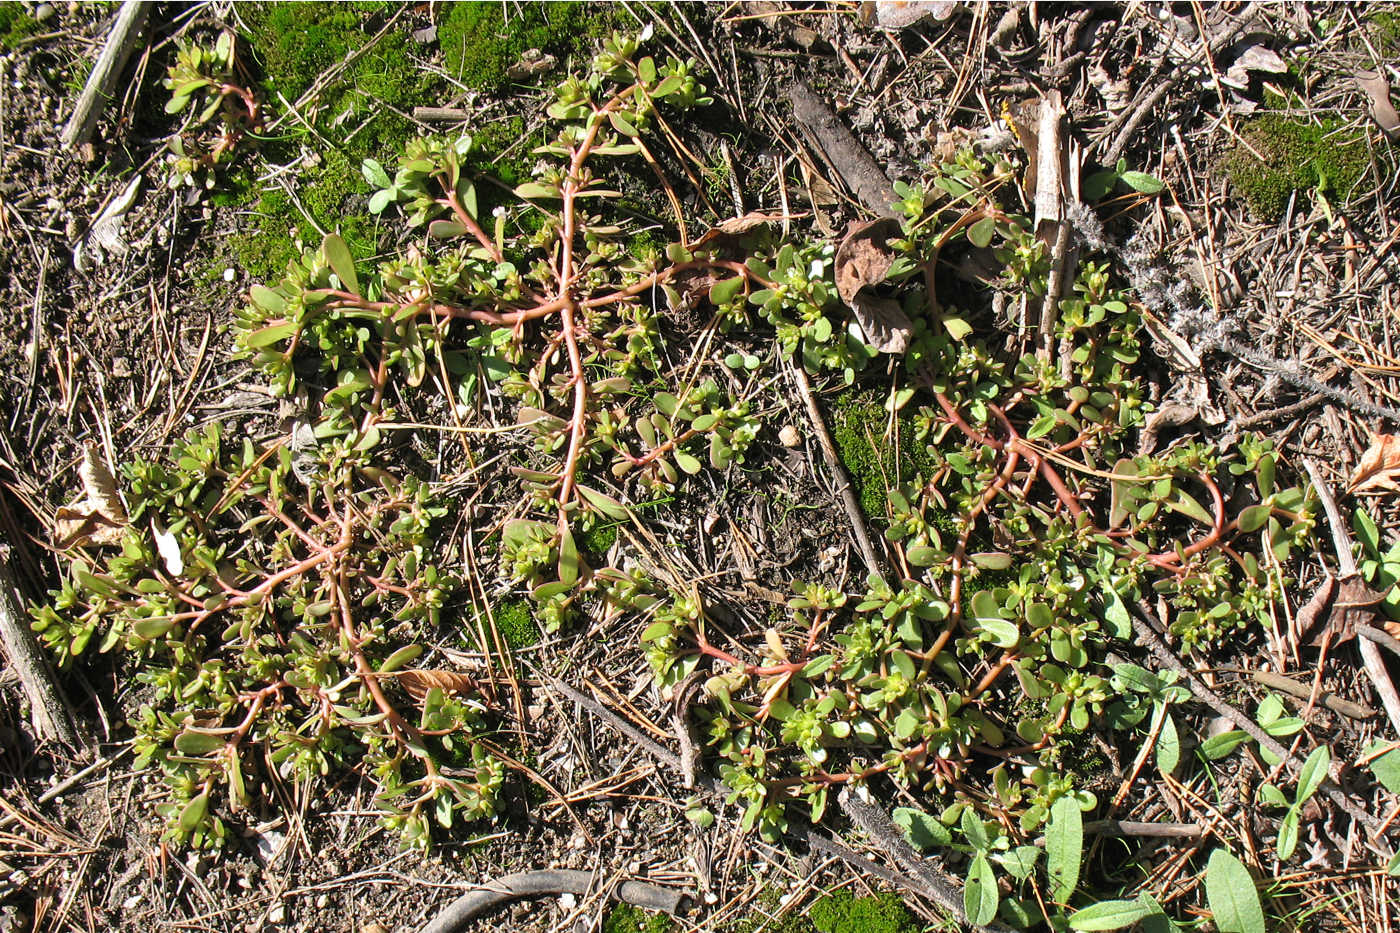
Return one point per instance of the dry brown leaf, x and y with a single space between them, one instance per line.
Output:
863 259
1256 58
1356 604
1169 415
1316 611
1382 111
418 682
722 233
1379 467
100 518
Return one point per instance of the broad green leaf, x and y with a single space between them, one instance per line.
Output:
1020 861
1386 768
1002 632
923 830
991 560
1168 745
1142 182
1064 847
603 503
1184 503
374 174
957 327
657 630
975 830
1231 894
923 556
980 896
1313 773
666 403
1116 614
1288 834
266 336
380 200
622 124
1110 915
267 300
341 262
1366 532
1218 746
445 229
535 190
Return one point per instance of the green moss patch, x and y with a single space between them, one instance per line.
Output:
599 539
624 918
479 45
516 623
16 24
1384 29
356 116
1296 156
843 912
837 912
858 424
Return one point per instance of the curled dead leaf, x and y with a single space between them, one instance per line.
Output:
727 231
863 259
1382 111
1355 604
1169 415
1256 58
417 682
1379 467
100 518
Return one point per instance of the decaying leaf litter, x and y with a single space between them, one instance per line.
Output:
1279 325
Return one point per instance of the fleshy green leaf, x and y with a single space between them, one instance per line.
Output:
341 262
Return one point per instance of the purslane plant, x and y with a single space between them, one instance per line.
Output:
968 673
207 83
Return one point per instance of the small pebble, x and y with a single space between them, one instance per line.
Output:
229 274
568 901
43 12
789 437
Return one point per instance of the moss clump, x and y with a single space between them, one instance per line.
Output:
624 918
479 46
838 912
599 539
16 24
843 912
516 624
294 45
1297 156
858 426
1384 29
